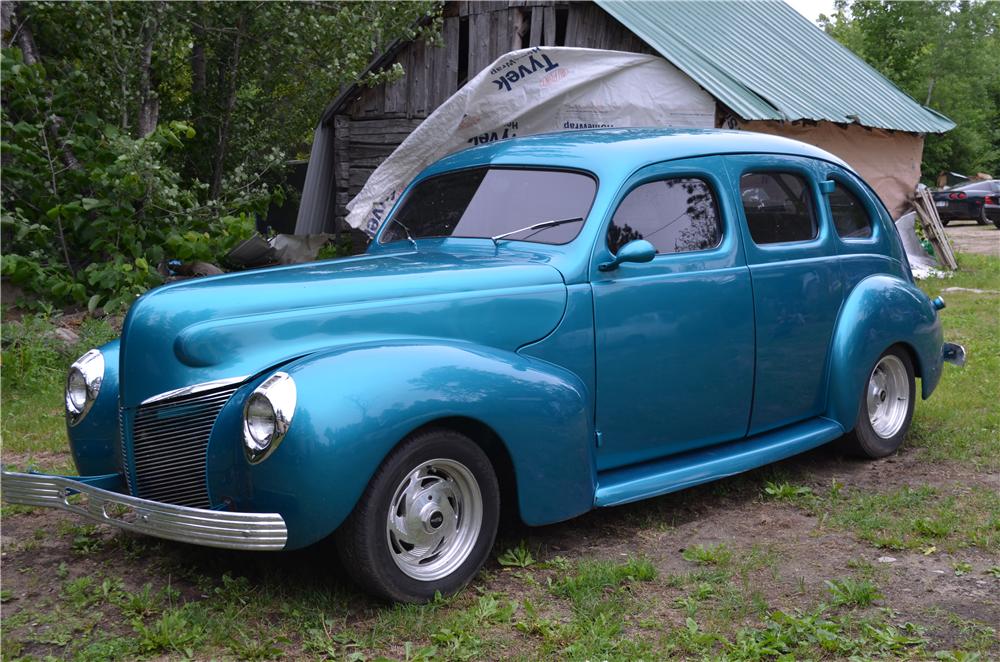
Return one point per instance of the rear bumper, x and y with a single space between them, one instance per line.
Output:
959 211
953 353
198 526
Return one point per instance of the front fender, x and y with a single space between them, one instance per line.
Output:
355 404
94 441
879 312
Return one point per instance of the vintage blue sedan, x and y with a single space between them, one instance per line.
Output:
555 323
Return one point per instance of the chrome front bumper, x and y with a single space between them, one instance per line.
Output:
212 528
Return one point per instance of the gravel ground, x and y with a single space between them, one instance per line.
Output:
968 237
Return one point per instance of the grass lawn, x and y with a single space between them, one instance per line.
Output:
818 557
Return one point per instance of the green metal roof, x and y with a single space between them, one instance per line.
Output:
765 61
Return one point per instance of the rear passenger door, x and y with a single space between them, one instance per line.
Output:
796 279
861 227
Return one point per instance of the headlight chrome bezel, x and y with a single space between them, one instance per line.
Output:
278 392
89 368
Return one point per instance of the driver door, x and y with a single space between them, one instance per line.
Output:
674 336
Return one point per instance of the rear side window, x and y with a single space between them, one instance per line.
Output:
849 216
778 207
675 215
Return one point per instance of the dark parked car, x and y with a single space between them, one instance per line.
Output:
975 201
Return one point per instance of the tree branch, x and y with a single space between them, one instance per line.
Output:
26 42
149 103
234 81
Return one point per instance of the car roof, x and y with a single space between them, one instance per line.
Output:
985 184
603 150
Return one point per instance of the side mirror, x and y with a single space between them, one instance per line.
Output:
638 250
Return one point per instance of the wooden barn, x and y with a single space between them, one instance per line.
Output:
768 68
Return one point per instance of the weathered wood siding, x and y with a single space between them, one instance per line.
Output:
374 122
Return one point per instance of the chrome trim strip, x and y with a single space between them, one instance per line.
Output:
198 526
195 388
953 353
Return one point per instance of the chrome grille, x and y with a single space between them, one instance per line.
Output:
169 445
124 451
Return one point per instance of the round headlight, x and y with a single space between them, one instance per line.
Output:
260 421
83 383
267 415
76 392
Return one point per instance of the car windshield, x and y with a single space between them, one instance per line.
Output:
487 202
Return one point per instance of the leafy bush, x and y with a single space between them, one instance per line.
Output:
93 228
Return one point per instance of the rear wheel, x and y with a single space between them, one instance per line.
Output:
945 221
886 406
983 220
427 521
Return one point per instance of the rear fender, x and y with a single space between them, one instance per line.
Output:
354 405
879 312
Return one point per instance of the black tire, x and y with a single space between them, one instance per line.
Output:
945 221
363 542
996 221
864 440
982 220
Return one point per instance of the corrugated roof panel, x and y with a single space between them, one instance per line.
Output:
764 60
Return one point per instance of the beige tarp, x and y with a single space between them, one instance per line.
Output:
888 160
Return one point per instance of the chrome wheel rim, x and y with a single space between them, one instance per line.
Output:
888 396
434 519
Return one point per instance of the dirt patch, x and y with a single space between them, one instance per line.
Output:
780 552
968 237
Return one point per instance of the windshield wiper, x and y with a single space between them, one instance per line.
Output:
405 229
537 226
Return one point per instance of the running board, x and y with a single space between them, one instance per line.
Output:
650 479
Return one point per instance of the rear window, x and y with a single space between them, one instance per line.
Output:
849 216
778 207
486 202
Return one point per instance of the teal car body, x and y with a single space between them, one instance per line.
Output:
589 385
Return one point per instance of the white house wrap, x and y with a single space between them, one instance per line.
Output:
538 90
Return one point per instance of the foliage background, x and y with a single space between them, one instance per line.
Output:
134 133
944 54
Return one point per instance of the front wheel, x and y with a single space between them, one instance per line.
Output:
427 521
886 407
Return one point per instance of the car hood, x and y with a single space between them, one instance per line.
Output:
240 324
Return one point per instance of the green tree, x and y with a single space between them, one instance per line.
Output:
137 132
946 55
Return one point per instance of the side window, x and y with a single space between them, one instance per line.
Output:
675 215
849 216
778 207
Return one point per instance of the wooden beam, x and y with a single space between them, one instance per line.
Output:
930 220
451 37
535 36
549 35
